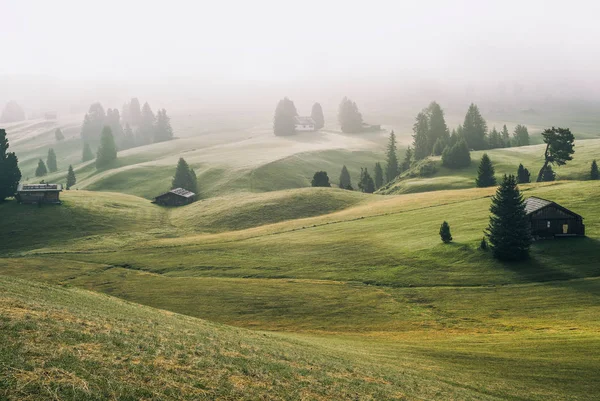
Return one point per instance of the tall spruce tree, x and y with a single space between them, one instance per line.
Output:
505 137
508 232
421 140
135 112
559 149
408 159
378 175
594 174
184 177
87 153
284 122
345 182
485 173
523 175
521 136
113 120
320 179
391 168
93 122
163 130
128 140
349 117
71 179
366 183
107 151
475 129
495 139
317 115
445 233
437 127
147 125
10 174
51 161
41 169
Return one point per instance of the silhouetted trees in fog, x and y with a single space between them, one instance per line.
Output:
284 122
10 174
11 113
349 117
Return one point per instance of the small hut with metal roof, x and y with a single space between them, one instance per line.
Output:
175 197
548 219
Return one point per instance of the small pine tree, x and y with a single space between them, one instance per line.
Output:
87 154
505 137
51 161
445 233
408 159
485 173
594 174
345 181
391 169
508 232
10 175
320 179
107 152
41 169
184 177
378 175
548 175
71 179
523 175
59 135
366 183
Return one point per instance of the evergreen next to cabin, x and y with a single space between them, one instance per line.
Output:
10 175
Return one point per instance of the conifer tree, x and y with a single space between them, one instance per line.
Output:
317 115
107 151
391 169
408 159
93 122
509 231
505 137
421 137
10 174
475 129
58 135
349 117
521 136
163 131
495 139
51 161
41 169
559 149
366 183
548 175
135 113
378 175
284 122
594 174
457 156
439 146
113 120
523 176
345 182
485 173
320 179
12 112
445 233
147 125
436 125
128 138
87 153
71 179
184 177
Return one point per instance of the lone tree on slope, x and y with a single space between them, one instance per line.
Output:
10 175
508 232
107 152
184 177
41 169
523 175
71 179
594 174
391 169
485 173
284 121
345 182
559 149
320 179
317 115
445 233
51 161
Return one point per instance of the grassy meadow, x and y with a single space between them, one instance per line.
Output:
267 289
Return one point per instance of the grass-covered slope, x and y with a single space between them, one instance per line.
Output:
506 161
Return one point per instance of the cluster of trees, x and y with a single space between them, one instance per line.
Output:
135 127
366 182
12 112
51 164
349 117
284 122
185 177
10 174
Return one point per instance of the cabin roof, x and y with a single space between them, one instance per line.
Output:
304 120
180 192
533 204
39 188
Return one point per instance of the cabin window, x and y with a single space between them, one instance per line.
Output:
548 224
565 228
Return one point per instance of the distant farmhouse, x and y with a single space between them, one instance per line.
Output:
304 124
39 193
175 197
548 219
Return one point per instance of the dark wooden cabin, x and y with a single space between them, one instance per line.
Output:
39 193
175 197
549 219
